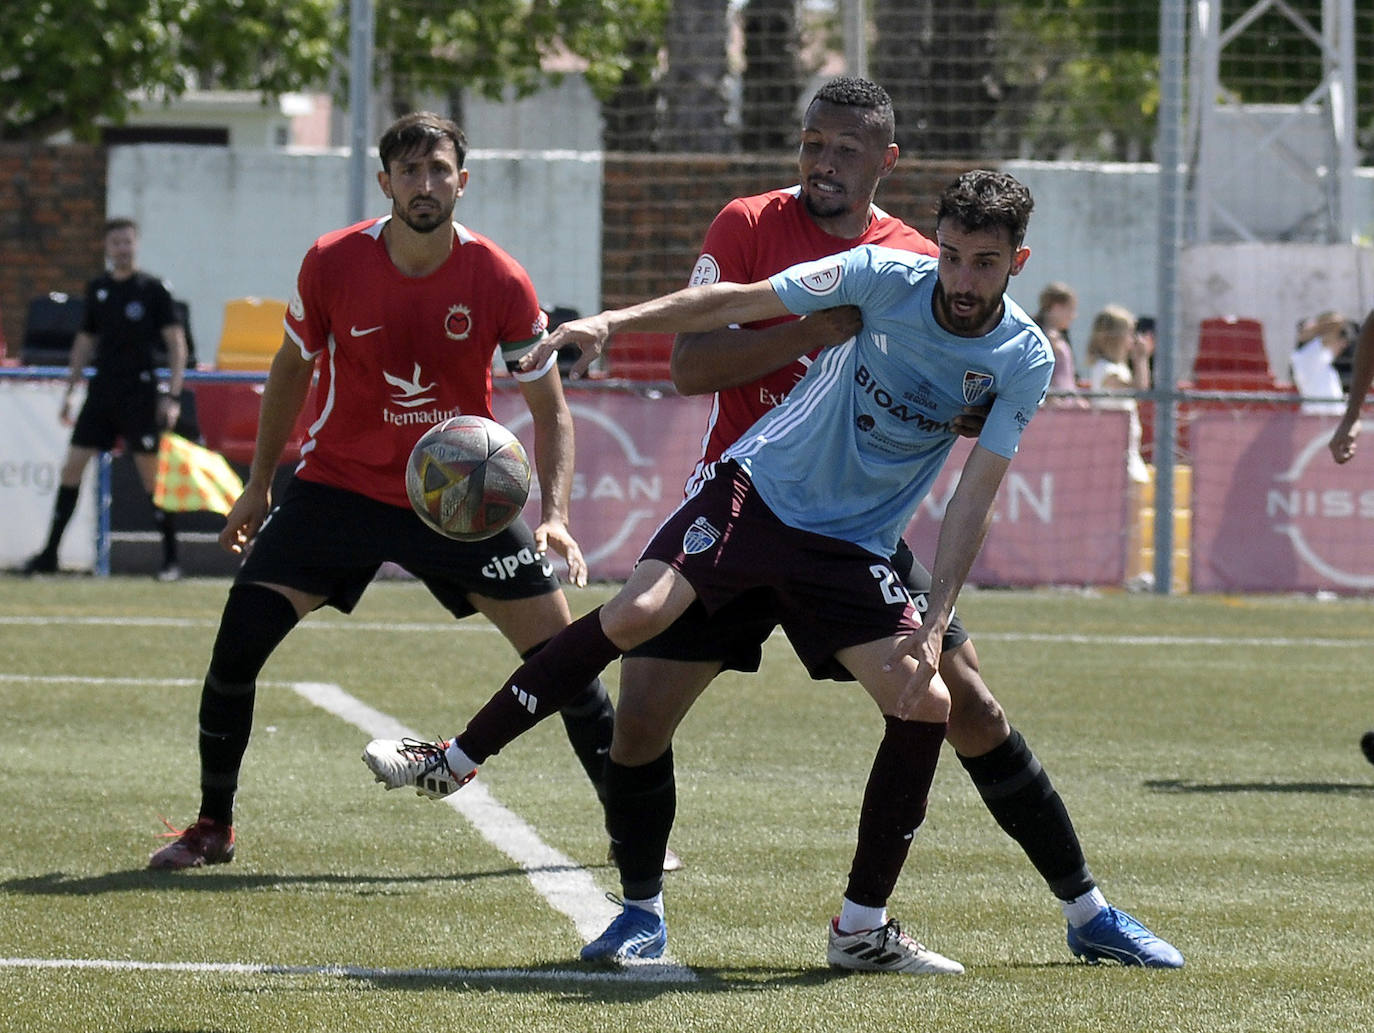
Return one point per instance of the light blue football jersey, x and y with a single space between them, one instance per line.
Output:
859 441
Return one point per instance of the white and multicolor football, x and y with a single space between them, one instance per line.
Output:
468 478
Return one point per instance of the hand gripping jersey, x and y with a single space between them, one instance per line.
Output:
858 443
398 354
749 240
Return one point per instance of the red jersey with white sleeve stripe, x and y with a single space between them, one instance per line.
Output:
749 240
397 354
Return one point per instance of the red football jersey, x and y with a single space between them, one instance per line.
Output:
751 239
398 354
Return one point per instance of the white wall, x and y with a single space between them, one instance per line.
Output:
223 223
563 116
1094 228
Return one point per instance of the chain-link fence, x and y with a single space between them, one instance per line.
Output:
971 79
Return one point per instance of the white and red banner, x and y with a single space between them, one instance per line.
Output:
1063 513
1272 512
1061 516
633 456
33 442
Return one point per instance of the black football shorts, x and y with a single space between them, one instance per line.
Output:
328 541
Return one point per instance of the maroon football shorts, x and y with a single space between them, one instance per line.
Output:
829 593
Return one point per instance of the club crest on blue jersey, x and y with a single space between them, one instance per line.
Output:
699 537
976 385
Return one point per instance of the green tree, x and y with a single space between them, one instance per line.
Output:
76 65
491 46
72 66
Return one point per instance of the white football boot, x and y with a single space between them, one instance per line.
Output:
886 949
410 762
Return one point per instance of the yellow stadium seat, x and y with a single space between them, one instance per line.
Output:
252 333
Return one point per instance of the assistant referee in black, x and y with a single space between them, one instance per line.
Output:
129 320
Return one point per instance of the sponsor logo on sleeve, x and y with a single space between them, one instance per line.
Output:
297 306
707 270
822 281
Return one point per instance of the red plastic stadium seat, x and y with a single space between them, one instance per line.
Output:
228 412
1234 382
1232 346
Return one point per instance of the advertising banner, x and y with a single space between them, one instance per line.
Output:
634 453
1272 512
1062 515
1064 512
33 442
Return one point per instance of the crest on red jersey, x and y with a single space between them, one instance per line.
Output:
458 323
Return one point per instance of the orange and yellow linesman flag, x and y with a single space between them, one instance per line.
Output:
191 477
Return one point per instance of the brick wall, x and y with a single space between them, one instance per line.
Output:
655 210
52 208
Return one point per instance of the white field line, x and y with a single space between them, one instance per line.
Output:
637 971
562 882
566 885
429 627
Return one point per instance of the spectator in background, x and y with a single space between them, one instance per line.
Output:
1057 310
1313 364
1145 330
1120 360
129 318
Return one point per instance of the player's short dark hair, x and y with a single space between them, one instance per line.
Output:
419 133
854 92
120 223
983 199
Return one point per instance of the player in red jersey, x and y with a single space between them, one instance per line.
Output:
846 150
400 317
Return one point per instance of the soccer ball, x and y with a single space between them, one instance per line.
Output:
468 478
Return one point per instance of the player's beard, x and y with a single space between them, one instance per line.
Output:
978 321
428 219
825 206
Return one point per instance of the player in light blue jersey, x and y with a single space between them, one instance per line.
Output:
870 423
808 504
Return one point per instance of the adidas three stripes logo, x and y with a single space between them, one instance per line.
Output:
525 699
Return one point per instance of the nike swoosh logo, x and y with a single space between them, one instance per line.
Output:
363 333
